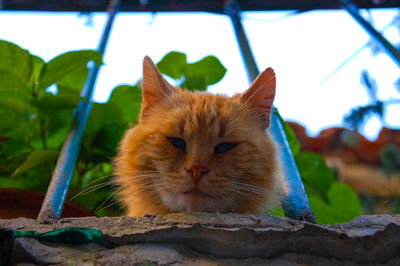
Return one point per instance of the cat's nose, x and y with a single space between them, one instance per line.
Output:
197 171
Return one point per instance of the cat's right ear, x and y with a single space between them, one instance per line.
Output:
261 95
154 87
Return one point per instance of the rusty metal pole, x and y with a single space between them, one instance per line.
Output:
56 193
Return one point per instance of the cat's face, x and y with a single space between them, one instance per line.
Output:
197 151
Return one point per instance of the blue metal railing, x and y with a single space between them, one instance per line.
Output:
380 40
293 198
56 193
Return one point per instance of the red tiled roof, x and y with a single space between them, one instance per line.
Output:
355 147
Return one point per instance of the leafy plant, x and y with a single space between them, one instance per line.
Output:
192 76
34 119
37 100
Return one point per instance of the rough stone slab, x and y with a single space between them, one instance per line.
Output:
236 237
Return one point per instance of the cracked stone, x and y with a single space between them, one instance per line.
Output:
228 239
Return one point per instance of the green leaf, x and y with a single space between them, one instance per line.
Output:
106 140
17 183
13 105
343 205
129 101
314 171
57 126
73 82
313 191
343 196
49 103
277 212
65 64
195 83
198 75
209 66
37 64
7 167
58 121
12 87
13 147
15 116
35 159
294 143
56 139
16 61
100 115
173 64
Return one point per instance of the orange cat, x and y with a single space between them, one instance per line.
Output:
195 151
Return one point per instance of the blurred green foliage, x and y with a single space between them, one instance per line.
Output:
37 100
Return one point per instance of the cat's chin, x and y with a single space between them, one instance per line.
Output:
193 201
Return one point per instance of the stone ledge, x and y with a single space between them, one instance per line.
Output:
238 238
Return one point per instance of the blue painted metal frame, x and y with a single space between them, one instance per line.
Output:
353 10
56 193
294 198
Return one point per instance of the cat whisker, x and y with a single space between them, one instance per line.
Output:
162 119
258 192
91 189
98 179
149 186
157 202
138 171
246 195
105 201
108 206
143 175
254 189
139 178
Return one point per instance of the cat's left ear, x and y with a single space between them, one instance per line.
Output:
154 87
261 95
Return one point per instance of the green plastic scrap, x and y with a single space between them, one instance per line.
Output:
70 235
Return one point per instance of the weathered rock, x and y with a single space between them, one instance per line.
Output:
217 239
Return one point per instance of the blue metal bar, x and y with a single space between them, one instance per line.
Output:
294 198
56 193
382 42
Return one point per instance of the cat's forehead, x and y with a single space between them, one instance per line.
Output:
206 114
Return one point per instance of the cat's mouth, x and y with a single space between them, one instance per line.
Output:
195 192
193 200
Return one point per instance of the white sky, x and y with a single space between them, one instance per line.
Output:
303 49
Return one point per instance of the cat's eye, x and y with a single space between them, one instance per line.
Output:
224 147
180 144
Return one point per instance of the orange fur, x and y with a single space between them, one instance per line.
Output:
153 174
